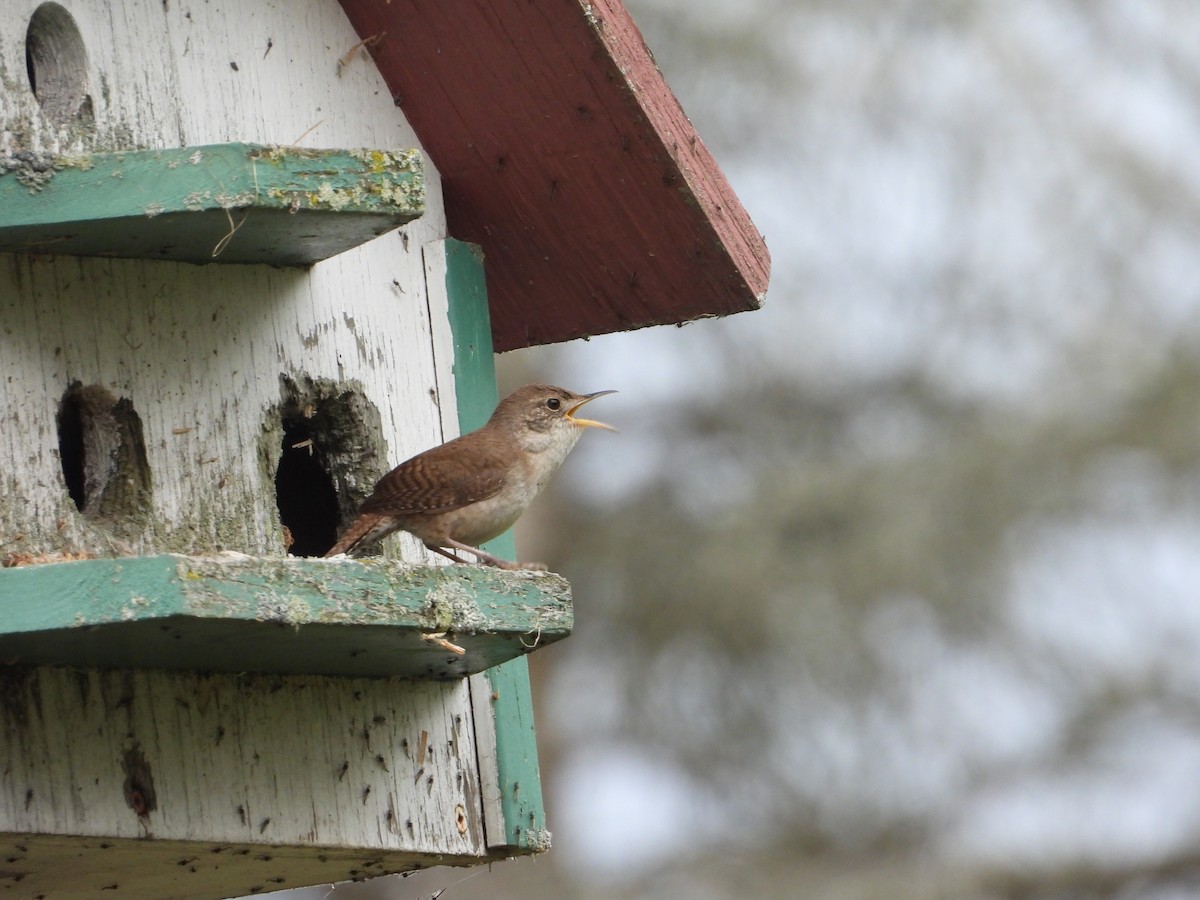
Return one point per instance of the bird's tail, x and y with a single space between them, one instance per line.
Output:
365 529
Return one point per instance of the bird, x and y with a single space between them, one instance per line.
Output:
465 492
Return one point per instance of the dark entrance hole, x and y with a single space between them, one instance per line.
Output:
57 66
329 458
304 491
103 454
70 447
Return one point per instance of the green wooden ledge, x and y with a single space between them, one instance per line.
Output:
230 203
294 616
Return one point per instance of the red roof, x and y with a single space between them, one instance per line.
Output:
566 156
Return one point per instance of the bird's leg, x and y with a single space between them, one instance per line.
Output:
446 553
485 557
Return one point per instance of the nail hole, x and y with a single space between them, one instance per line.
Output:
56 62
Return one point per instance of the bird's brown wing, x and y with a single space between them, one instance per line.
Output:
436 481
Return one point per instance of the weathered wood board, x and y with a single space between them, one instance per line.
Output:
223 203
326 617
195 785
554 117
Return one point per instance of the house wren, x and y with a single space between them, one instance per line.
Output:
473 488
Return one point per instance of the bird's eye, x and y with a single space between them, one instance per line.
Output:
553 403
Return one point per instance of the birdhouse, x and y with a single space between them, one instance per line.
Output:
242 258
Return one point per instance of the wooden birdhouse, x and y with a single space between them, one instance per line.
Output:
241 276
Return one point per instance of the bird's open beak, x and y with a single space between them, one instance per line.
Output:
588 423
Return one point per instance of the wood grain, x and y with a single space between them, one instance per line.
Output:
217 776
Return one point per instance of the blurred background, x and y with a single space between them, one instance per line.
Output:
892 589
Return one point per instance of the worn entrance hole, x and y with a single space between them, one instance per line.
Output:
57 65
328 459
103 454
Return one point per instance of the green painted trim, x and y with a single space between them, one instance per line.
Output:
290 206
471 330
512 704
297 616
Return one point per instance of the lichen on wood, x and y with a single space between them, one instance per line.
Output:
100 204
239 613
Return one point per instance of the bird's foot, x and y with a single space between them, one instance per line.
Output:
488 559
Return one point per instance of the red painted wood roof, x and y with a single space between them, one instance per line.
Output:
566 156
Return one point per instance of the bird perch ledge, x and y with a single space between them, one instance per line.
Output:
294 616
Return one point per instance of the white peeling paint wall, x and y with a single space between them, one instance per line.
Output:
199 350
